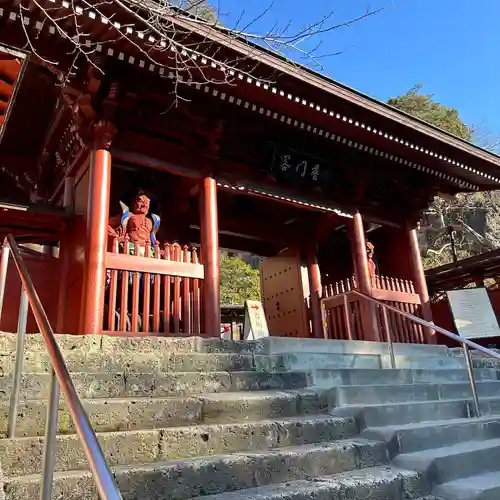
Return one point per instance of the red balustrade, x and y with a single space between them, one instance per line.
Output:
343 316
153 289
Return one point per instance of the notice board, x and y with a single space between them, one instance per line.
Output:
255 326
473 313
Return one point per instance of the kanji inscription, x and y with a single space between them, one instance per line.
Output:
298 167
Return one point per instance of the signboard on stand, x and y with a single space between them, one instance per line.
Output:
255 326
473 313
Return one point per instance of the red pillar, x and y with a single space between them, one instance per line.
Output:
96 242
315 291
421 284
358 245
210 257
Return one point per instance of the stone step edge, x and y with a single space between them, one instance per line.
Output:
319 487
341 445
210 396
269 392
164 373
295 431
233 377
32 373
301 419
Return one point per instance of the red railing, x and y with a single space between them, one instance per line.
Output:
153 289
343 310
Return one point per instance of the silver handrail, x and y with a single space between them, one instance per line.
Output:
466 343
103 477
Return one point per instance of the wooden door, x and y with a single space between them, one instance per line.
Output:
284 289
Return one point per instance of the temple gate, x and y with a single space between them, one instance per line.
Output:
276 159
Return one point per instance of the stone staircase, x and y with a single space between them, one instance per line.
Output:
281 419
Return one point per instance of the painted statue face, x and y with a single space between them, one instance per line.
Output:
369 249
141 204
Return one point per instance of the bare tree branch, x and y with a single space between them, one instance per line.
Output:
172 46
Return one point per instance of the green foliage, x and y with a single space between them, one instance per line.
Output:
424 106
238 281
471 238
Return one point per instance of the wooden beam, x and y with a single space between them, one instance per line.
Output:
177 160
239 244
152 162
123 262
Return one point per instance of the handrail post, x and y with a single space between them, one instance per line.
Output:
22 320
103 477
385 322
470 373
4 263
49 445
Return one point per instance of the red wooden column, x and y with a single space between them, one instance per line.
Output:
421 284
358 246
210 257
96 242
315 291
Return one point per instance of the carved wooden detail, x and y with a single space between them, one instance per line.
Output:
78 128
69 145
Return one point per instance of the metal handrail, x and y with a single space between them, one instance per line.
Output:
466 343
103 477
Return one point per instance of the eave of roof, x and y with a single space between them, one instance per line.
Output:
464 271
472 164
324 83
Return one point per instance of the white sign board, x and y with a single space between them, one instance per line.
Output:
473 314
226 333
255 326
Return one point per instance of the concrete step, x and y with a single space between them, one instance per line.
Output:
116 414
23 456
486 363
134 362
422 362
490 406
449 463
404 413
479 487
328 378
158 384
409 438
377 483
372 394
478 358
485 389
313 361
270 345
287 345
183 479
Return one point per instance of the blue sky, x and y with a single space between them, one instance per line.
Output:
452 47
